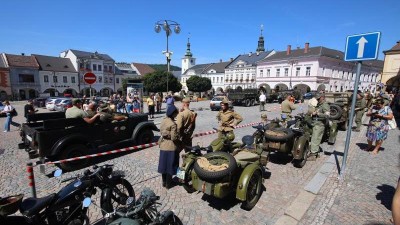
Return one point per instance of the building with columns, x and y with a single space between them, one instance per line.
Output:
315 68
102 65
391 68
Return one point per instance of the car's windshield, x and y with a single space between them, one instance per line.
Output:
216 99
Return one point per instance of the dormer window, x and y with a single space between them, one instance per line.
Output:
66 66
48 65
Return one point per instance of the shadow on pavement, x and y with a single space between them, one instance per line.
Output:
386 195
336 154
278 158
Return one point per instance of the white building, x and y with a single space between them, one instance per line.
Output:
57 76
316 68
102 65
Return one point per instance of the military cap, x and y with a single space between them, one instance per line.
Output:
186 100
264 115
76 101
224 101
319 95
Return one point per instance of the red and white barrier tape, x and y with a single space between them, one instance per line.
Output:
135 147
106 153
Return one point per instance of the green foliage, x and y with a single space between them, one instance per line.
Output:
157 82
163 67
198 84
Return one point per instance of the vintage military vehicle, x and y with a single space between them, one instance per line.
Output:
220 173
339 103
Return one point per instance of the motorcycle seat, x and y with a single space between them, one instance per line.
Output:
32 206
245 156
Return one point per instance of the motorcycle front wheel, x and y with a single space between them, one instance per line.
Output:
114 197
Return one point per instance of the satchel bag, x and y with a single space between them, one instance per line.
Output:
392 122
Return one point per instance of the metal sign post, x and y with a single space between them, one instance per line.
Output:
350 124
359 47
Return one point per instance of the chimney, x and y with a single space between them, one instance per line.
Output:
22 54
231 59
220 60
288 49
306 47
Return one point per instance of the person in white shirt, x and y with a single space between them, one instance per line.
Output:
8 111
262 99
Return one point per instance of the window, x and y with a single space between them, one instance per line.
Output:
88 66
65 79
297 71
27 78
286 72
55 80
94 67
100 79
81 65
46 79
268 72
99 67
105 68
308 71
278 71
261 73
117 80
241 76
111 80
217 79
73 80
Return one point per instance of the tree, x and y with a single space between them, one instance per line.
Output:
198 84
157 82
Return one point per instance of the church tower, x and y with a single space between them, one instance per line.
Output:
260 47
188 61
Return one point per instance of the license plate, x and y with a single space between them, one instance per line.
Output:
180 174
29 138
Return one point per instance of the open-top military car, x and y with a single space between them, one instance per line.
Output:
220 173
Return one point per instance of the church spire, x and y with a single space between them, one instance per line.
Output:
260 47
188 53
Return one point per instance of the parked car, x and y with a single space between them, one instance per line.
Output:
63 105
52 103
50 99
39 102
215 103
309 95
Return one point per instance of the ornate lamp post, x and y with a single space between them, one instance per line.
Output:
166 25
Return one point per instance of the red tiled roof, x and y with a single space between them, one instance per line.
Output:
143 68
394 48
21 61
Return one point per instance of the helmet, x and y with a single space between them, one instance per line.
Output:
230 136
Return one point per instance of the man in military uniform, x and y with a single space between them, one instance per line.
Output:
76 112
288 106
359 110
319 115
186 123
227 119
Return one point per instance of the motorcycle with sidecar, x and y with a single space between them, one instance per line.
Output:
241 172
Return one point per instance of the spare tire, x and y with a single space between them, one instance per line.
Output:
335 111
216 158
288 134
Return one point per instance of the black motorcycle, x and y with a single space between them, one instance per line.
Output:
143 211
65 207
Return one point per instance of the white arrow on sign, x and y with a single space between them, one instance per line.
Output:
361 44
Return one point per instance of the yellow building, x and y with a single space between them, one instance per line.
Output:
391 68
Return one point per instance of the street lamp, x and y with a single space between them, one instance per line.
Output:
166 25
291 63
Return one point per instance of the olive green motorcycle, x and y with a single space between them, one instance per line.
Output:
220 173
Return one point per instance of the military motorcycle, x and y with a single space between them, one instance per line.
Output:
142 211
220 173
65 207
224 142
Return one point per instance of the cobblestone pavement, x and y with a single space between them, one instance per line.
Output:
365 196
281 187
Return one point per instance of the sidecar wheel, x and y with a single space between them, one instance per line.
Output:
254 191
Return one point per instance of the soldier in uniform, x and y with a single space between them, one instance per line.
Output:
186 123
319 115
76 112
359 110
287 106
227 119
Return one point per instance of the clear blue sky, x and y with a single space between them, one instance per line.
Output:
124 29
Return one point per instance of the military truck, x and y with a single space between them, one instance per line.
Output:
247 97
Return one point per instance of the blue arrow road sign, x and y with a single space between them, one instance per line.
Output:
362 46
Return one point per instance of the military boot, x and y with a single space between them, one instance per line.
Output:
168 181
164 179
